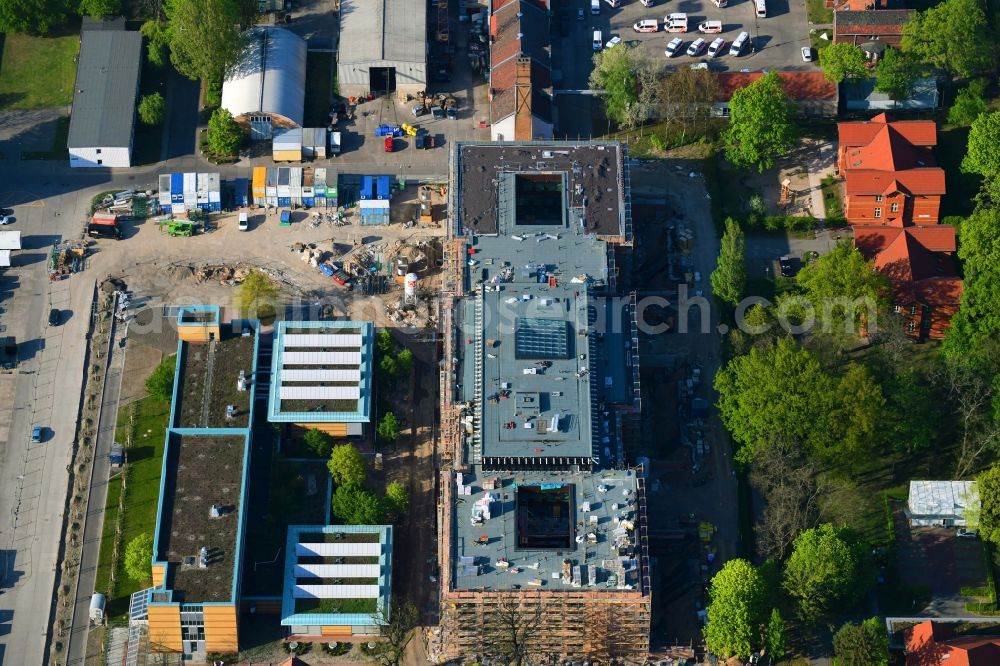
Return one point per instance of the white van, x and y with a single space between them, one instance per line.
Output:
613 3
595 6
761 8
710 27
598 40
647 3
244 223
677 22
647 25
737 47
720 3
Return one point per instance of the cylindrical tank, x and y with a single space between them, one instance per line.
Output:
401 266
410 284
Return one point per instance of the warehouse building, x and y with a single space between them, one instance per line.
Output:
107 83
321 375
542 515
266 89
383 47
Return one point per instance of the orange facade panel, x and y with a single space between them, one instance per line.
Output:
165 628
221 629
159 573
332 429
336 631
197 332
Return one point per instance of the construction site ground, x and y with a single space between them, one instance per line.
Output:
686 489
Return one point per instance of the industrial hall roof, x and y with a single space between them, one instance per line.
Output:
107 79
270 76
382 31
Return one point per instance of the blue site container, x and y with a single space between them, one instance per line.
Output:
284 201
309 201
177 188
326 270
241 192
383 185
367 187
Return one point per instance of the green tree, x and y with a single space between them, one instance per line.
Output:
100 8
629 77
404 363
736 610
842 60
864 644
153 109
257 295
730 274
950 35
388 428
761 123
157 34
912 412
779 393
823 573
970 103
858 416
777 644
346 465
388 367
844 290
396 627
354 505
896 73
974 336
983 153
160 383
384 343
32 17
397 500
318 442
139 558
686 98
984 516
205 38
224 134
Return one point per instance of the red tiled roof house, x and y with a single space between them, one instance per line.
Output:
812 93
890 173
934 644
520 71
862 27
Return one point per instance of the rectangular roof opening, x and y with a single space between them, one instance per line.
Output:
545 517
538 199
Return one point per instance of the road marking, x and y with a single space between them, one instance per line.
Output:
27 200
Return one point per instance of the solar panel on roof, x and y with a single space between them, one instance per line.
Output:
541 338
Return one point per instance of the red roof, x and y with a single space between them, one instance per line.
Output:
913 181
800 86
930 644
882 156
909 253
860 133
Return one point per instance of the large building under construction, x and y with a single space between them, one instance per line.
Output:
543 523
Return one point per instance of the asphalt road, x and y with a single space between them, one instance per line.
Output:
94 521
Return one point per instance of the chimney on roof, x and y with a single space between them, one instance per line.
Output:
523 125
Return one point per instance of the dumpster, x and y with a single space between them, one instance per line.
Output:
286 218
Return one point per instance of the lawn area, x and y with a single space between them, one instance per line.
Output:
962 187
58 150
142 491
832 198
103 582
37 72
817 12
319 83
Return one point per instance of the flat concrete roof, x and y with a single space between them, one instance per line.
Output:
593 189
107 80
382 31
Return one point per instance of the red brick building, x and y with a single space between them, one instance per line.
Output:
933 644
890 173
869 26
520 90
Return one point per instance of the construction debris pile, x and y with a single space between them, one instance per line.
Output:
128 203
68 258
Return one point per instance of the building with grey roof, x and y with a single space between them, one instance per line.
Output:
541 506
266 89
383 47
107 83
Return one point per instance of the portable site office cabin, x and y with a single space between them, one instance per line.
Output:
287 145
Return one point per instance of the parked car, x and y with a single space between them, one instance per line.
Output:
580 14
595 6
598 42
437 113
418 141
696 48
647 25
614 41
674 47
785 262
736 48
716 47
720 3
244 222
965 533
710 27
36 434
390 144
452 113
6 219
807 54
676 22
418 110
54 317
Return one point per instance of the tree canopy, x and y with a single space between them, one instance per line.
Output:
986 517
896 73
983 153
388 428
736 609
138 560
160 383
32 17
761 125
204 36
823 572
687 96
780 392
970 103
974 336
844 290
951 36
864 644
628 76
354 505
397 500
842 60
100 8
153 109
730 275
257 295
346 465
318 442
777 643
224 134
